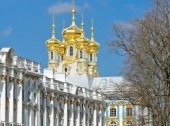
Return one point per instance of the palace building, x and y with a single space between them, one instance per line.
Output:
61 95
69 92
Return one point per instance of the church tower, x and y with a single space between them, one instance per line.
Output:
76 55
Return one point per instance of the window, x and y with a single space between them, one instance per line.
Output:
62 57
128 111
71 51
52 55
128 123
112 112
113 124
91 57
81 54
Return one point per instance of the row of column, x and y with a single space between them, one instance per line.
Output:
71 112
9 85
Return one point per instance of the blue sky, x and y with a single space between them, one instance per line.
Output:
26 25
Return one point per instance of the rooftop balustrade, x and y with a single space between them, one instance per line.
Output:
65 87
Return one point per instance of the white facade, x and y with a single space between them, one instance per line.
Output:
29 98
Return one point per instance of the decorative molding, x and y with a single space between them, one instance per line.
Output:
112 119
129 118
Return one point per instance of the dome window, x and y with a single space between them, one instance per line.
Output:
81 54
71 51
91 57
62 57
52 55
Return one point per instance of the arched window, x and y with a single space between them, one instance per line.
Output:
113 112
71 51
113 124
91 57
52 55
81 54
128 111
128 123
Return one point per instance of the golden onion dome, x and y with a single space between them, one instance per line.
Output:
53 43
82 41
72 32
93 45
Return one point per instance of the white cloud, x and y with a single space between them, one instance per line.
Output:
6 32
63 7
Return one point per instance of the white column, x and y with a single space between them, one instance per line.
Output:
58 109
29 117
11 100
19 104
84 114
26 117
101 115
45 112
38 111
65 111
32 117
52 111
3 98
72 113
78 113
121 109
95 115
88 113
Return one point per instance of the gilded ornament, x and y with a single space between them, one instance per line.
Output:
129 118
100 108
129 105
52 98
11 79
112 106
112 119
78 103
20 81
121 103
53 66
3 77
66 101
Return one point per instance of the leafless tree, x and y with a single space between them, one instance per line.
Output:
147 68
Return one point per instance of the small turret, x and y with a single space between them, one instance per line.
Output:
53 48
93 50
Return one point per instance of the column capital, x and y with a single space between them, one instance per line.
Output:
46 96
66 101
100 107
95 106
52 97
3 77
11 79
20 81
